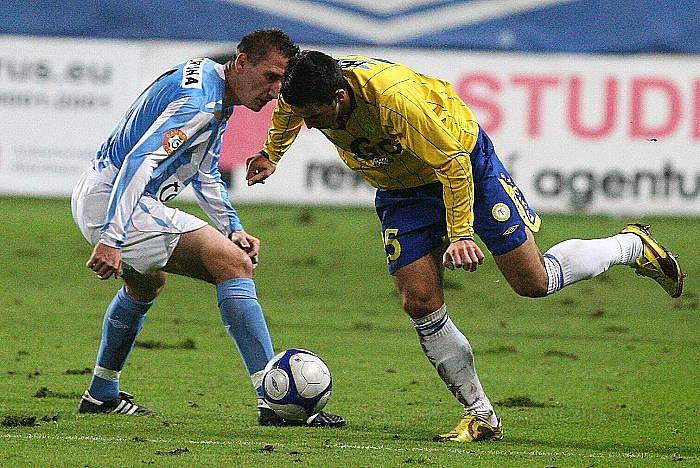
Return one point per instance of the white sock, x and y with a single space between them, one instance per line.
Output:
576 259
451 354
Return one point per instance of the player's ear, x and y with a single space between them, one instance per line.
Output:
241 60
340 94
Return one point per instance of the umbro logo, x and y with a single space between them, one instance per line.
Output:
511 230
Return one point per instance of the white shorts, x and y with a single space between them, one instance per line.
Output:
152 234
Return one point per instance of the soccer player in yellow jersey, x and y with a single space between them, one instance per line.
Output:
438 183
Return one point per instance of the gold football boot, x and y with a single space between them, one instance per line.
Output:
657 262
473 427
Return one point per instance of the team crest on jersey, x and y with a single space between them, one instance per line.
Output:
500 212
173 139
192 73
530 217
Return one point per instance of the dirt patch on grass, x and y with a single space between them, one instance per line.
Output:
174 452
45 392
152 344
12 420
506 349
561 354
521 401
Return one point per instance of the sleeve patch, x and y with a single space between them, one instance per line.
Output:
173 139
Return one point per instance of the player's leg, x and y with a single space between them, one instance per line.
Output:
160 237
413 223
207 255
420 288
532 274
121 325
446 347
505 223
125 314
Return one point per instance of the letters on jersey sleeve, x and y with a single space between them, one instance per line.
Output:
192 73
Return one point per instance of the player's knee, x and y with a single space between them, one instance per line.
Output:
233 263
529 280
420 303
145 288
530 289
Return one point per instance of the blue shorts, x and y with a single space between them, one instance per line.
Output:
413 219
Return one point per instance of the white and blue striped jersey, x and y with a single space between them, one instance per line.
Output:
168 139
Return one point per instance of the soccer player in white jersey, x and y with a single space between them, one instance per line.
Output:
439 182
168 139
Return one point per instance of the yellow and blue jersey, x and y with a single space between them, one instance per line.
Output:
406 130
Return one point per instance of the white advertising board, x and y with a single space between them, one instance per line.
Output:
58 100
612 134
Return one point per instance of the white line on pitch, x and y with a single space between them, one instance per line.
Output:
520 453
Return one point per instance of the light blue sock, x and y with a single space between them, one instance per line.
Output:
122 323
245 323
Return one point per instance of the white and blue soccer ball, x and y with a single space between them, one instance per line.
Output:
297 384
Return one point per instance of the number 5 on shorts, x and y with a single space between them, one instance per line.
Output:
390 240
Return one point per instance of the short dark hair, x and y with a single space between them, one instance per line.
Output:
312 77
258 44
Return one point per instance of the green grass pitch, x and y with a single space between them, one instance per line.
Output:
605 373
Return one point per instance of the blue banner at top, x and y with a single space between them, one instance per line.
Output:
587 26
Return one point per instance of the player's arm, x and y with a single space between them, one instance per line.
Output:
212 196
283 131
424 134
183 115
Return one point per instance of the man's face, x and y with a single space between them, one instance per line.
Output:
259 83
319 115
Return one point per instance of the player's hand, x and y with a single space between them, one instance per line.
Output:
463 254
105 261
259 169
249 244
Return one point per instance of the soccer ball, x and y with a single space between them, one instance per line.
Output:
296 384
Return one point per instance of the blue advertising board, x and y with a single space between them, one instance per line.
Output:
586 26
